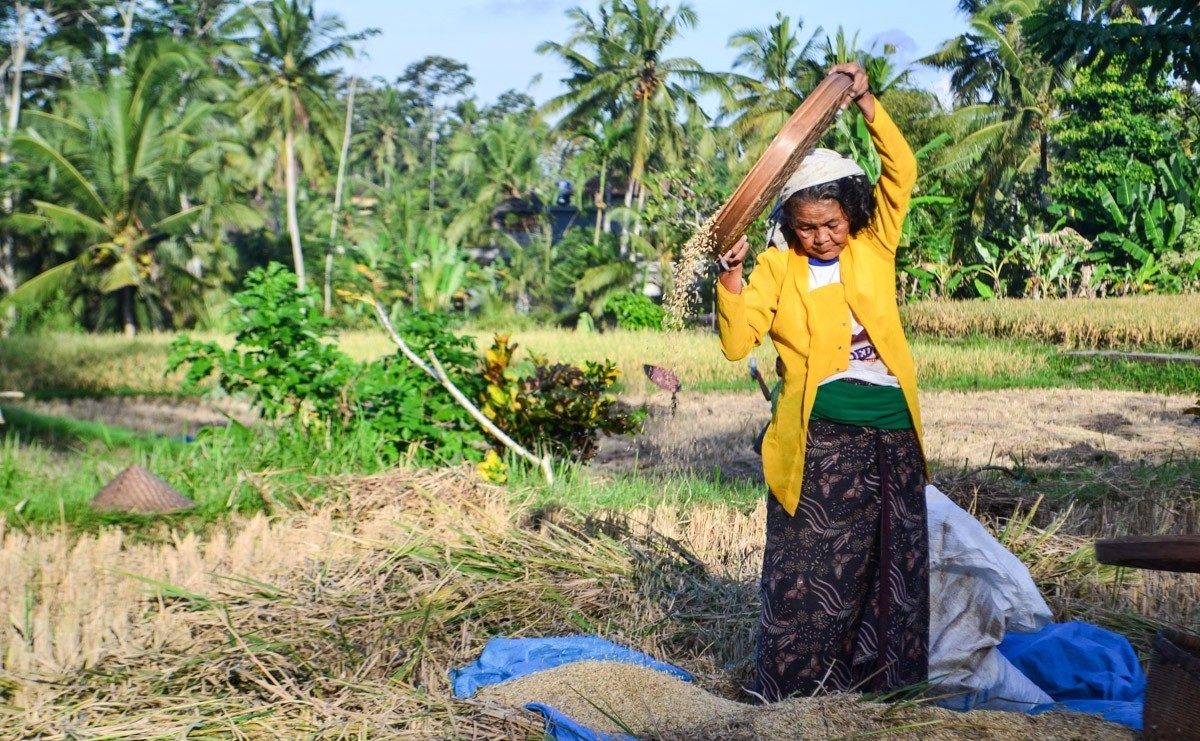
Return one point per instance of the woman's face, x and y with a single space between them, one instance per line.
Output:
821 228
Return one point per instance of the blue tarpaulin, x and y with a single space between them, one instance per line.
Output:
1083 668
508 658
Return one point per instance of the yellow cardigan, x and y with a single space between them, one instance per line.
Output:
811 329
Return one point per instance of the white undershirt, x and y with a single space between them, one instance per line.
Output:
865 363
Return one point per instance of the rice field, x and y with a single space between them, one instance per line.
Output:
297 602
1123 323
342 621
88 365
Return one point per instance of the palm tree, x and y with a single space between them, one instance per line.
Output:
780 70
385 133
503 164
290 89
1005 99
124 159
627 76
880 68
602 144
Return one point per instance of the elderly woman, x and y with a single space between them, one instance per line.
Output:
845 582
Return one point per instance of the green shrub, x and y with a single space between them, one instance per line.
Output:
635 311
285 361
554 407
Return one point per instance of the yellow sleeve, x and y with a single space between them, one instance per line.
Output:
897 177
743 318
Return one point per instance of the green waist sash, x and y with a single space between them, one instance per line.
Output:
862 405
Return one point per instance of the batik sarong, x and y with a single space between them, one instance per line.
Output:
845 582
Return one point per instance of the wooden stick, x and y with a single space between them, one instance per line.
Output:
9 395
1139 357
435 371
1157 552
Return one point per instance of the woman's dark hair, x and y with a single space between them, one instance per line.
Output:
854 193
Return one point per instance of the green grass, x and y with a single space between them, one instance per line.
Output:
50 468
579 489
63 431
985 363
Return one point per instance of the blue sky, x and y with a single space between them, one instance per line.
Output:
497 38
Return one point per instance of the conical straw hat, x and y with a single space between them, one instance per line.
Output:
137 490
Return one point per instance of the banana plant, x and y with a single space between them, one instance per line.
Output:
439 272
1147 228
994 260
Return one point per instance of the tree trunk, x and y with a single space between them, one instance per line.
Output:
337 198
1043 174
127 311
601 203
8 270
637 165
623 247
641 204
127 17
293 222
1044 158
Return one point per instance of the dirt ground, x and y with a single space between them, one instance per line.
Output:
1033 427
165 416
1054 427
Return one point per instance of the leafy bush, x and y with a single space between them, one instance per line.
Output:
635 311
284 360
554 407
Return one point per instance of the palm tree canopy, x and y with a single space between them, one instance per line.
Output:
619 69
781 69
129 162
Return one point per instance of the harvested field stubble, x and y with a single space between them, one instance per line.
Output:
344 622
325 626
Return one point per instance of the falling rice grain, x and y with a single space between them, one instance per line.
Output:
695 255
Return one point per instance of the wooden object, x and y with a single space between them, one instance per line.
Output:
1161 553
1135 357
780 159
137 490
1172 709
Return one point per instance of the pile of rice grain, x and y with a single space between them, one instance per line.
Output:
615 697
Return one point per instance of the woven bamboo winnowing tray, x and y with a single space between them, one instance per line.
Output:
780 159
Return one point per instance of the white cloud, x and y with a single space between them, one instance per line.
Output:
518 7
905 46
941 88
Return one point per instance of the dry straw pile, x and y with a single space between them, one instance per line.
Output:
331 624
343 622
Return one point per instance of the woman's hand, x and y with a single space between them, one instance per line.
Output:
731 265
860 88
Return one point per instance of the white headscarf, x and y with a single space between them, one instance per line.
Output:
818 167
